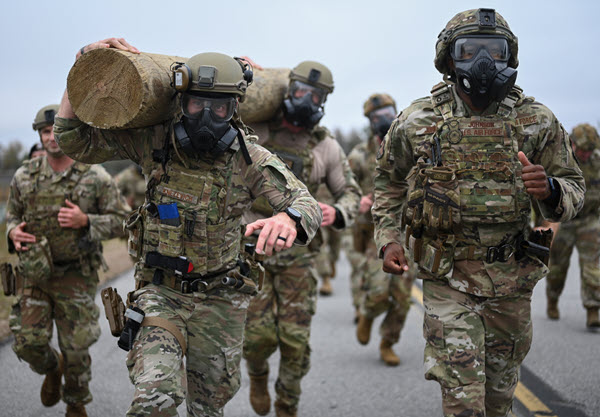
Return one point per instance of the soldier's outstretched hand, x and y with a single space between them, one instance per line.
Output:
117 43
278 232
20 237
72 216
534 178
394 261
328 214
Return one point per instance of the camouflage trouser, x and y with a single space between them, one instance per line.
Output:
280 316
68 299
474 348
213 325
585 235
384 293
357 261
329 253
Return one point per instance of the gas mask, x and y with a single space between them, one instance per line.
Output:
381 120
205 125
304 104
482 70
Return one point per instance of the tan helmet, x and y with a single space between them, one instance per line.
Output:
377 101
212 72
585 137
313 73
473 22
45 117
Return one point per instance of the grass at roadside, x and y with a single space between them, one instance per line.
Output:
115 253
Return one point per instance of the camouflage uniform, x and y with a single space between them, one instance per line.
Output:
132 185
469 204
583 231
210 207
281 314
380 292
330 250
66 297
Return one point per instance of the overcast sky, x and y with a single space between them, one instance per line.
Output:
370 46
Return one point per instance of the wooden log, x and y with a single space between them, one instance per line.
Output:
113 89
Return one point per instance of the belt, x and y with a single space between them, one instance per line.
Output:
500 253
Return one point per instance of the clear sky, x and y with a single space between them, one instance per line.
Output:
370 46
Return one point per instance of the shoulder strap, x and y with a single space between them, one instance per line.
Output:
442 99
506 106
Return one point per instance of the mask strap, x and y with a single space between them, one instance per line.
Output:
242 143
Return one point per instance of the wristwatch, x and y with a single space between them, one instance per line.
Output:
294 215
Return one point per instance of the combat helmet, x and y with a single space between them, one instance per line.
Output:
45 117
585 137
473 22
313 73
212 72
378 101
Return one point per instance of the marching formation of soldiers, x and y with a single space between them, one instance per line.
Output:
442 191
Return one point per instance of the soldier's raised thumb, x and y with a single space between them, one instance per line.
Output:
69 204
523 159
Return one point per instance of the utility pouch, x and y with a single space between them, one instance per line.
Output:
539 244
415 248
35 264
436 259
441 199
114 309
134 224
9 280
256 271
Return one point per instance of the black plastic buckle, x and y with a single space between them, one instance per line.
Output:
500 253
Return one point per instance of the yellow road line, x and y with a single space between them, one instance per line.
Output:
523 394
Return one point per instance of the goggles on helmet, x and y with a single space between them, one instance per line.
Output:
467 47
221 108
382 113
298 89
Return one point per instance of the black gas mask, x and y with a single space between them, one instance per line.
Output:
381 119
206 123
482 71
304 104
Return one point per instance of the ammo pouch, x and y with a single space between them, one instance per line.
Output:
9 280
114 309
436 258
35 265
441 200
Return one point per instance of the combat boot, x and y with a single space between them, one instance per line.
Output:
50 393
363 329
284 410
326 288
387 353
552 310
259 394
76 410
592 317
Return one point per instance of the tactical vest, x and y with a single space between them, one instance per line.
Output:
591 174
198 229
41 207
472 177
299 161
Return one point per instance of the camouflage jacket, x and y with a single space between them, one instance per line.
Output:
132 185
210 194
37 193
409 142
591 173
362 162
316 158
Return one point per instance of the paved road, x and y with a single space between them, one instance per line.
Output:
348 379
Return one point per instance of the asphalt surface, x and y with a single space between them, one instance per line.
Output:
348 379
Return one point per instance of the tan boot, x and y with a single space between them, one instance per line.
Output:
363 329
326 288
76 410
283 410
387 353
50 393
552 310
259 394
592 317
